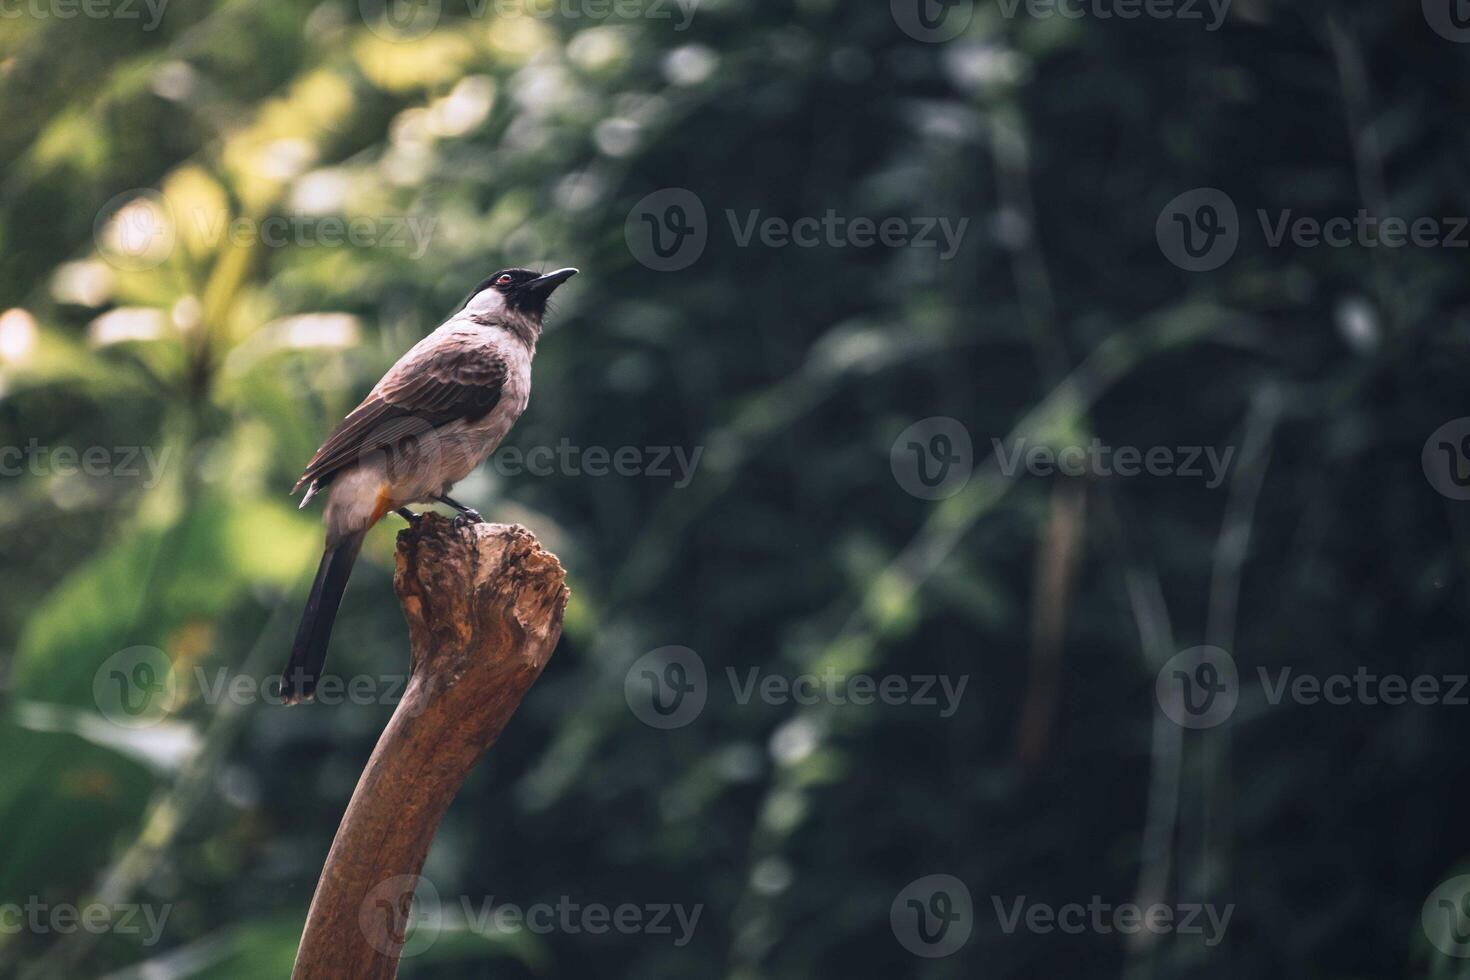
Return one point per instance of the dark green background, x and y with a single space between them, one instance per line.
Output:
794 549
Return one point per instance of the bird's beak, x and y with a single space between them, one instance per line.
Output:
548 282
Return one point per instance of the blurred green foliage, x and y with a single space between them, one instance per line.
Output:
516 139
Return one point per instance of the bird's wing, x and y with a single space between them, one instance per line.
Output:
450 378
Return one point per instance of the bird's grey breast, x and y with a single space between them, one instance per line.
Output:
468 443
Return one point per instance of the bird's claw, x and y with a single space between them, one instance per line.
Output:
468 517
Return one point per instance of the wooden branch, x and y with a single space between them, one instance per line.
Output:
484 605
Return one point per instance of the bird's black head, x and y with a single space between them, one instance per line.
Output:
522 290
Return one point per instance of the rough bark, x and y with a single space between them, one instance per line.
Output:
484 605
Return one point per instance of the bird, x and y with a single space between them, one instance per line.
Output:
437 414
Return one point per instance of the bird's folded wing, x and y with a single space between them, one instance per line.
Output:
449 381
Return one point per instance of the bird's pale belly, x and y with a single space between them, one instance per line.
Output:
419 471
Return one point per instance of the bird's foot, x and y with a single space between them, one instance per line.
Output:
467 517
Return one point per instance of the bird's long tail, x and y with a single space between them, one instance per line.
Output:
309 652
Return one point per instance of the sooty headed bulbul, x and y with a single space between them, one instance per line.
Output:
435 416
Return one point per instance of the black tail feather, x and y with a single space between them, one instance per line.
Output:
309 652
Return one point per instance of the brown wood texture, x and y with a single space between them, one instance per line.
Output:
484 605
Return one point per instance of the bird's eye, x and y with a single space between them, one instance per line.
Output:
504 280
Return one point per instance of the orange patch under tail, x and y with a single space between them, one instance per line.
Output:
383 505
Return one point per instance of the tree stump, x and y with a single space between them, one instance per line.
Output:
484 605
